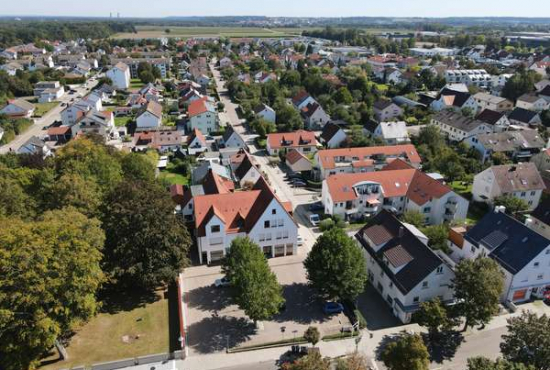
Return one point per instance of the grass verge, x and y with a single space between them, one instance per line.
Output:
43 108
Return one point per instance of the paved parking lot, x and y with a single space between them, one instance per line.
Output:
213 322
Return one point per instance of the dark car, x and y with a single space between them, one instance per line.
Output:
315 207
332 307
299 184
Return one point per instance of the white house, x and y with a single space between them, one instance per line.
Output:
35 145
523 254
453 99
386 110
48 91
542 160
257 214
392 133
539 219
470 77
521 181
497 120
524 117
302 99
18 108
315 116
196 143
150 116
517 145
247 172
202 115
492 102
398 188
458 127
401 266
532 102
301 140
120 75
332 136
266 112
232 139
96 122
298 162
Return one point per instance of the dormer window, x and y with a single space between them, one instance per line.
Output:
215 228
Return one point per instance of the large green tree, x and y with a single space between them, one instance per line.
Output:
478 285
312 361
72 190
49 276
434 316
513 205
146 243
254 286
528 340
335 266
406 353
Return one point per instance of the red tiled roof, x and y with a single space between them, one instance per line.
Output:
294 156
59 130
197 107
378 234
196 134
398 256
293 139
327 157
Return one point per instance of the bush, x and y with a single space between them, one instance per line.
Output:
326 224
315 184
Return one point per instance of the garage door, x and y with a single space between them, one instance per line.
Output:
519 295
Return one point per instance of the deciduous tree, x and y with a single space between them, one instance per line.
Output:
406 353
482 363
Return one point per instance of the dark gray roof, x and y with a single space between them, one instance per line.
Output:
522 115
382 104
329 131
422 261
244 167
490 116
457 120
460 96
542 212
402 100
512 244
509 141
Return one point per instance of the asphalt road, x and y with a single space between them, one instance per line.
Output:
39 127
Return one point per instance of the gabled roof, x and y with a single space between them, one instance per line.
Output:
512 244
545 91
382 104
529 98
310 109
23 104
154 108
522 115
329 131
458 120
244 167
123 67
329 157
542 212
291 139
200 106
509 141
454 98
517 177
489 116
294 156
196 134
300 97
402 249
215 184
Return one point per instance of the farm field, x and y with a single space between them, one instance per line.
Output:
187 32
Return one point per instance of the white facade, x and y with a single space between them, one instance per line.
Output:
469 77
206 122
268 114
120 76
148 120
275 232
457 134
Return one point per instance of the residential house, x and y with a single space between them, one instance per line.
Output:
522 253
18 108
401 266
303 141
266 112
165 140
150 116
163 64
232 139
545 93
492 102
225 62
119 75
532 102
516 145
257 214
48 91
298 161
35 145
521 181
539 219
386 110
200 172
458 127
315 116
356 160
497 120
101 123
247 171
452 99
196 143
524 117
542 160
469 77
392 133
302 99
398 188
333 136
202 115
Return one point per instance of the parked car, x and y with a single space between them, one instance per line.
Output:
332 307
314 219
315 207
292 176
223 282
299 183
299 241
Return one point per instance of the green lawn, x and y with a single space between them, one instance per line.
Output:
135 83
122 121
130 332
174 177
462 189
43 108
186 32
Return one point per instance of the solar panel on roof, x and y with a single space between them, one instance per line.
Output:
494 239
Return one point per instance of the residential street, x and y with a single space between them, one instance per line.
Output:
40 125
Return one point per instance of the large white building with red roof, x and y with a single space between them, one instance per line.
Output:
367 159
397 188
301 140
202 115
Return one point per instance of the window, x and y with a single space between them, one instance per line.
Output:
532 193
537 264
279 235
215 229
473 249
424 285
267 236
281 222
439 270
266 224
523 193
427 209
540 276
285 234
273 211
391 284
262 237
416 299
548 251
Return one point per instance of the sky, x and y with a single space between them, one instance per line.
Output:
295 8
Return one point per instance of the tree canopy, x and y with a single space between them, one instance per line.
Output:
406 353
335 266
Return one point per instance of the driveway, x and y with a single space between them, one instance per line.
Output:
214 322
375 310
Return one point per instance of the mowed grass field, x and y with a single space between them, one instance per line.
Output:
145 32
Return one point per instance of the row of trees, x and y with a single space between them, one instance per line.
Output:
88 220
